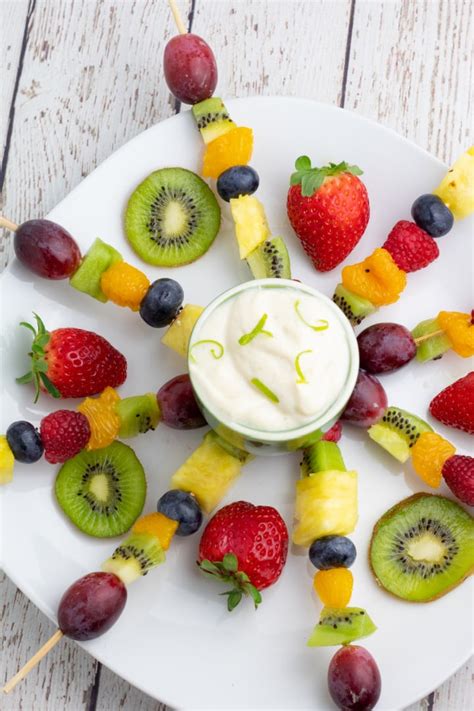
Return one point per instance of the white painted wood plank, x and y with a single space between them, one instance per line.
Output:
12 23
454 695
411 68
117 694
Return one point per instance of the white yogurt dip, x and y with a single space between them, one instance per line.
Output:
270 358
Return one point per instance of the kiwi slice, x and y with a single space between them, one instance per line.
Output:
430 348
98 259
270 260
102 491
341 626
398 431
354 307
212 118
172 218
422 547
138 554
137 414
321 457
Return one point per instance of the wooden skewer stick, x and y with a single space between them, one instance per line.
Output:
177 17
52 641
420 339
8 224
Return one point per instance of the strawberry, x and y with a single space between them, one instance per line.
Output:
334 434
328 209
454 406
245 546
63 434
411 247
72 362
458 473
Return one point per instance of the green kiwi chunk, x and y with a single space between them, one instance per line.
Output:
422 547
212 118
341 626
398 431
103 491
270 260
321 457
138 554
172 218
137 414
98 259
354 307
430 348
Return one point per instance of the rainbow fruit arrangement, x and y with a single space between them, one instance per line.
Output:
420 549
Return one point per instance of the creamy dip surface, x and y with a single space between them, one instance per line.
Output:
269 358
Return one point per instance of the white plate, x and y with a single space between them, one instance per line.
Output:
175 640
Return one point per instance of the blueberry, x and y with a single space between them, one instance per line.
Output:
181 507
25 442
431 214
332 552
236 181
161 303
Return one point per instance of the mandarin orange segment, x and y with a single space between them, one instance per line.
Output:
233 148
428 455
124 285
334 586
158 525
377 278
103 419
460 331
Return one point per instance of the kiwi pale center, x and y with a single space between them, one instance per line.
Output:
427 548
174 217
100 487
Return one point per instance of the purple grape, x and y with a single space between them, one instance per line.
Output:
178 405
91 605
46 249
354 679
190 68
385 347
367 403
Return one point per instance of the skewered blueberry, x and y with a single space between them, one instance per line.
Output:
431 214
25 442
182 507
236 181
161 303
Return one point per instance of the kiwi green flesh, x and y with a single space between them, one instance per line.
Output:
103 491
137 414
172 218
431 348
138 554
230 448
212 118
398 431
422 547
320 457
354 307
98 259
341 626
270 260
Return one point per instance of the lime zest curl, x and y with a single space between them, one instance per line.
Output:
324 324
265 390
215 354
301 378
247 337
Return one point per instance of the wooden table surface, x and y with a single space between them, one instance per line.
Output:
80 78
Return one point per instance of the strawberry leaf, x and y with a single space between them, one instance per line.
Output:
303 163
230 563
52 389
311 179
233 599
26 378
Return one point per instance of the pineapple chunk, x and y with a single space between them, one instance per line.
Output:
7 461
251 227
456 189
178 334
326 504
207 473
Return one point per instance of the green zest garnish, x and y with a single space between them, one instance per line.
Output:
264 390
322 321
215 353
311 179
247 337
301 379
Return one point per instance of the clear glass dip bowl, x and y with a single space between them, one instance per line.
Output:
264 442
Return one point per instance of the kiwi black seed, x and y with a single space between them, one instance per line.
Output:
172 218
103 491
422 547
355 308
270 260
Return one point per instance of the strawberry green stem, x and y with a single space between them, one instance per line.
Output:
39 365
226 571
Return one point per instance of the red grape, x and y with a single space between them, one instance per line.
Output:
47 249
354 679
190 68
367 403
385 347
91 605
178 405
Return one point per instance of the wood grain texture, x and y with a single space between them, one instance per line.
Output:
92 79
